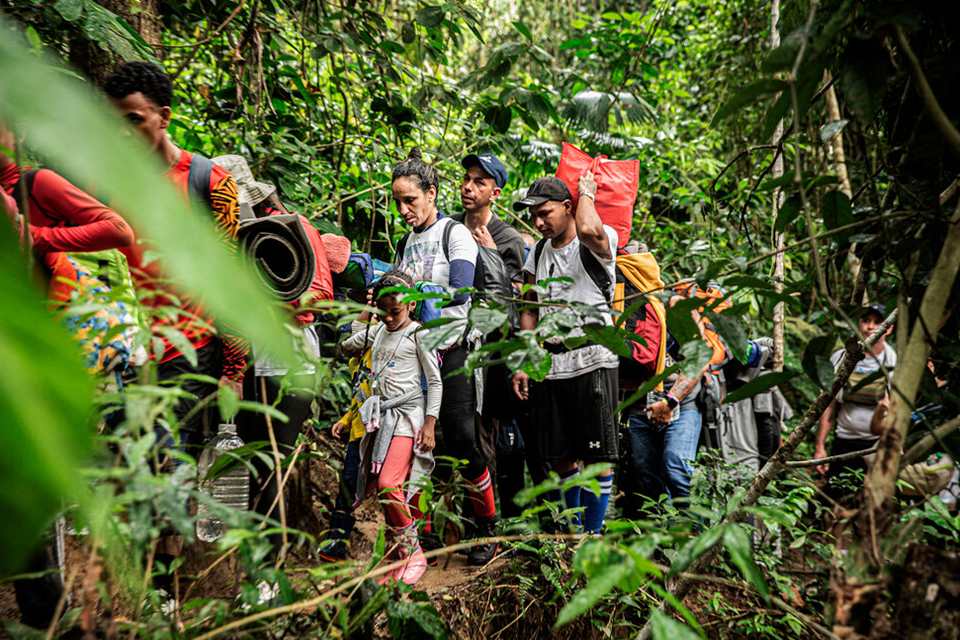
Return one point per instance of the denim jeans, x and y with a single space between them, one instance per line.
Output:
664 455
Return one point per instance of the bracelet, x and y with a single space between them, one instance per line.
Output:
592 196
671 401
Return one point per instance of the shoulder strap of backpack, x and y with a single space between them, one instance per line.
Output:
401 245
29 176
596 272
198 181
537 251
447 230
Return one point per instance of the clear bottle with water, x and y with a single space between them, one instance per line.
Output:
230 489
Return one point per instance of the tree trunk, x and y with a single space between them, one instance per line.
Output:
778 309
94 61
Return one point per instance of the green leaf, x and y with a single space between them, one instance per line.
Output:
487 320
831 129
837 212
228 402
730 329
746 96
180 343
789 212
430 17
696 355
682 325
46 406
695 548
758 385
737 542
784 56
597 587
524 30
666 628
408 33
863 77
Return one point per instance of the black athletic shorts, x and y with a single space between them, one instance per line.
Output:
574 418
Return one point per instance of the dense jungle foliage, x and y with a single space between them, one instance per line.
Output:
823 133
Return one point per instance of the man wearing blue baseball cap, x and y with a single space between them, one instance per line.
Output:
482 183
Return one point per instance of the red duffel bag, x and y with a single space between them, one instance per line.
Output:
617 185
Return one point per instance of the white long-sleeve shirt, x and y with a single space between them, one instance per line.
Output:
398 358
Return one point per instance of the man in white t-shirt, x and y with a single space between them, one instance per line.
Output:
853 407
574 406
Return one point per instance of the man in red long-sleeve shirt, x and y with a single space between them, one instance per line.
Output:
142 92
62 217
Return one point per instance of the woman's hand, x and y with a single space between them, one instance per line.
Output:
338 429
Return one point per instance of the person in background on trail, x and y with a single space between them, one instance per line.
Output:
267 384
399 426
483 180
142 93
53 203
415 187
665 427
575 406
853 408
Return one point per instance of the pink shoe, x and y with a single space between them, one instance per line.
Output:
416 566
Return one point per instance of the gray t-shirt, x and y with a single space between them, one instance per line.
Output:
853 420
565 262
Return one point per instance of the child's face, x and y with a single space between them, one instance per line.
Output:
394 313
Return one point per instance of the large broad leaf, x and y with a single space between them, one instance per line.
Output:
746 96
837 211
666 628
46 396
696 355
731 330
863 77
46 409
597 587
758 385
737 542
788 213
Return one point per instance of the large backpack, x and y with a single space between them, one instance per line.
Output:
490 279
109 265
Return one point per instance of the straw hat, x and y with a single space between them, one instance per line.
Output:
248 190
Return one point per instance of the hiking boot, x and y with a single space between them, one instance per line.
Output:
483 553
334 548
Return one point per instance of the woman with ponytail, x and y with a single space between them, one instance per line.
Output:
432 252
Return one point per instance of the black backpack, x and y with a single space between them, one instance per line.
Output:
490 278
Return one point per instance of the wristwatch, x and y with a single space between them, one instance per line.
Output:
671 401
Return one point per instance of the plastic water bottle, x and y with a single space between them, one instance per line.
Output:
230 489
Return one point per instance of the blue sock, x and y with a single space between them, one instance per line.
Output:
571 497
594 506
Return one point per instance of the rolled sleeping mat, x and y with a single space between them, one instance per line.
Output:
283 253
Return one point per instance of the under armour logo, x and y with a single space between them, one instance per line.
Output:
594 444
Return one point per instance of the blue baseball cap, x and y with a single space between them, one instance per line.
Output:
489 163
